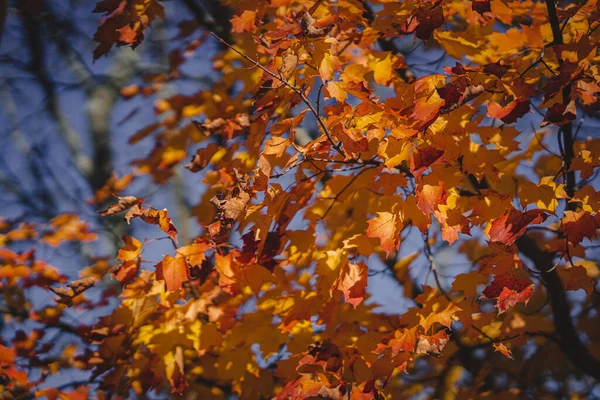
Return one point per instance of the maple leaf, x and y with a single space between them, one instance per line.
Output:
501 347
329 66
130 250
432 344
424 20
510 226
233 206
441 312
352 282
127 271
160 218
509 290
560 114
429 196
386 227
576 277
207 155
174 271
509 113
578 226
481 6
67 227
288 124
244 22
422 159
229 273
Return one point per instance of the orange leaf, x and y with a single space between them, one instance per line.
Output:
353 283
244 22
509 114
386 227
130 250
127 271
161 218
503 349
174 271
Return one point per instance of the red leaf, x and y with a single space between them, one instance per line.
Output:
512 225
509 290
127 271
481 6
559 114
578 226
423 159
511 112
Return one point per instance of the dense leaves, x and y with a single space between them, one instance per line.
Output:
323 168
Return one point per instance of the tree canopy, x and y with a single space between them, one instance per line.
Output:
310 151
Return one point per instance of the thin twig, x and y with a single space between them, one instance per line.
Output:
298 91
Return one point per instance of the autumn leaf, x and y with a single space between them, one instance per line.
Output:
162 219
173 271
73 289
130 250
423 158
125 203
207 155
501 347
352 282
329 66
127 271
309 28
576 278
509 227
432 344
578 226
67 227
509 113
244 22
386 227
509 290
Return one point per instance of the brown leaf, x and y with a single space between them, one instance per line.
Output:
307 23
124 203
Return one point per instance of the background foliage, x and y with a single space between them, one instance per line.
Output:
299 199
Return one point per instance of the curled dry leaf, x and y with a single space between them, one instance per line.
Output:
307 23
73 289
125 203
289 63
